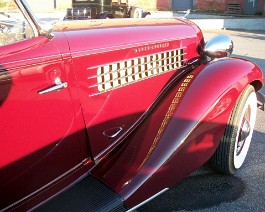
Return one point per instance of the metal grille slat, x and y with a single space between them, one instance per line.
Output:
116 75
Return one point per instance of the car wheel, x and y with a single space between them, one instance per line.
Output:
136 12
109 16
236 139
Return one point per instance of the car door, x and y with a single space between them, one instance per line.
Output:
38 139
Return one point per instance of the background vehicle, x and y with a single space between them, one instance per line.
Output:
102 9
120 120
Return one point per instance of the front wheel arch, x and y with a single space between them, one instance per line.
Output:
106 15
234 145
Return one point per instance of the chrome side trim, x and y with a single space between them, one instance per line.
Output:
98 157
61 191
119 74
33 61
46 186
84 53
144 202
58 85
130 71
23 7
37 27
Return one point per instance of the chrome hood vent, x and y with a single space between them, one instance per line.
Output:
113 76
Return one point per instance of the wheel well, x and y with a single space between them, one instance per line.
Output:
106 15
257 85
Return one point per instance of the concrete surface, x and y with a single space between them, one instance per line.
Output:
209 21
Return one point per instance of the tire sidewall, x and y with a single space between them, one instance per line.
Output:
247 98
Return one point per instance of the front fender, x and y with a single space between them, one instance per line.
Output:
181 133
105 15
144 14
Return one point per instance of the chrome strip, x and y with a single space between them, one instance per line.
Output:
117 75
149 199
123 47
46 186
31 61
98 157
61 191
37 27
22 5
96 94
119 61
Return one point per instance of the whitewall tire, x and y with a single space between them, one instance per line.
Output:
234 145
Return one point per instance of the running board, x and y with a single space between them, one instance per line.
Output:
87 195
261 101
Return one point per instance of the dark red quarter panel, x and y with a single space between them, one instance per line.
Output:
110 58
182 132
38 131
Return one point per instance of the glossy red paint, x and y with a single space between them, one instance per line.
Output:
171 121
144 165
91 49
34 154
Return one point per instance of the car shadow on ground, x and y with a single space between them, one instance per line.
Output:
198 191
204 188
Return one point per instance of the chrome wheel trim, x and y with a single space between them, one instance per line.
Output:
245 130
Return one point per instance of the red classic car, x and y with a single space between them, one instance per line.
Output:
107 114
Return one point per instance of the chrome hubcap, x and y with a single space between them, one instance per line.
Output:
245 130
244 133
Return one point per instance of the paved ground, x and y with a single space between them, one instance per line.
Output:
211 21
206 191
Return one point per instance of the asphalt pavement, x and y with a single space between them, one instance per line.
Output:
216 21
207 191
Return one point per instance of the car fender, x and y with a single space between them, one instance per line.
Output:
144 14
105 15
181 132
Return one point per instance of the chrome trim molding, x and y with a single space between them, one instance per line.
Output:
37 27
144 202
22 5
46 186
116 75
60 192
94 51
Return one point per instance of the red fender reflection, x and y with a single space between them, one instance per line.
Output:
181 133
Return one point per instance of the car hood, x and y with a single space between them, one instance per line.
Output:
116 23
90 35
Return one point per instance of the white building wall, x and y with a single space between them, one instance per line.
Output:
48 5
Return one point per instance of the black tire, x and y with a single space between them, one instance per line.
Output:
236 139
106 16
109 16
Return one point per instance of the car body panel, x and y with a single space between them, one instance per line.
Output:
123 103
34 154
142 107
184 128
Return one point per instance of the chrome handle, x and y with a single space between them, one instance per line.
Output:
58 86
113 132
